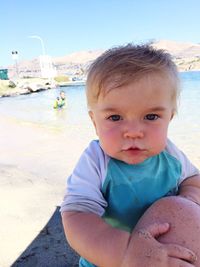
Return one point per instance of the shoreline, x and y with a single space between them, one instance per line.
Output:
35 85
27 86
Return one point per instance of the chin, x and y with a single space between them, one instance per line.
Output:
184 218
133 161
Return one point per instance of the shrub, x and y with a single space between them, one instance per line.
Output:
62 79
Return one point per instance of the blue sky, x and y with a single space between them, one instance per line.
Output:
66 26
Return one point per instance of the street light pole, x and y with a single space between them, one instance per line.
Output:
41 41
46 65
43 57
15 58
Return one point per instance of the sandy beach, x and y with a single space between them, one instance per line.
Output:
34 164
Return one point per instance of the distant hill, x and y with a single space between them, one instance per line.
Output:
182 50
186 56
177 49
81 57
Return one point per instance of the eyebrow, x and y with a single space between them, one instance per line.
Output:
109 109
156 109
153 109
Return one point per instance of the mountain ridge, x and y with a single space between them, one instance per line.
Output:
185 54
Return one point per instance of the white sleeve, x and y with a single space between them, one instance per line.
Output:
83 192
188 169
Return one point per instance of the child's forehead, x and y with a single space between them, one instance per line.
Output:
137 97
147 80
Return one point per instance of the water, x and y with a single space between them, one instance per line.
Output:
38 109
184 129
187 120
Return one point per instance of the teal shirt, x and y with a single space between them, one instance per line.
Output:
131 189
120 193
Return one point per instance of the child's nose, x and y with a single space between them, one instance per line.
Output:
133 131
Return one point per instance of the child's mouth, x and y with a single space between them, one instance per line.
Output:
133 149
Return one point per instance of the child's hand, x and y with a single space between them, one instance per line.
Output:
144 250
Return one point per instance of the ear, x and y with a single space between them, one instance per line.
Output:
91 114
172 115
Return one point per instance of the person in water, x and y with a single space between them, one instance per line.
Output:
132 93
60 101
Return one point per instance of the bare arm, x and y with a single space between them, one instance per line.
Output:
106 246
190 189
94 239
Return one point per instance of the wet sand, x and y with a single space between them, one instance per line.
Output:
49 248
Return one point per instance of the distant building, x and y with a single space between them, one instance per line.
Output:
3 74
46 66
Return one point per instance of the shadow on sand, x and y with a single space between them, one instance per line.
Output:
49 248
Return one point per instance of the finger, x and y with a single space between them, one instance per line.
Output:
177 251
179 263
157 229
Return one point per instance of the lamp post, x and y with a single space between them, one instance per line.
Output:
15 58
46 66
41 41
43 56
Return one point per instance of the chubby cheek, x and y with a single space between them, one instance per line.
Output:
109 140
158 139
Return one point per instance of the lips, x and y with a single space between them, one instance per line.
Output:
134 154
133 149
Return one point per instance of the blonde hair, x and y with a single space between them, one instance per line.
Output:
125 64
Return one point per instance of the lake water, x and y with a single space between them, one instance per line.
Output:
185 127
38 109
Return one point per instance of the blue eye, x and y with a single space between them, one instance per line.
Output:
114 117
151 117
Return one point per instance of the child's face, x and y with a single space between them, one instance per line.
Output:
62 95
132 121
